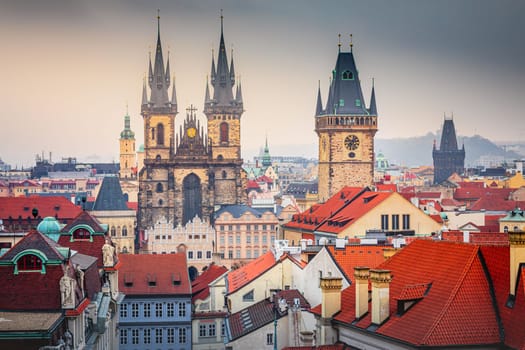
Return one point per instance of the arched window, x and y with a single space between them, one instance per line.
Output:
113 231
124 250
220 157
160 134
515 229
192 198
124 231
159 188
348 75
505 229
81 233
161 202
224 132
224 174
29 262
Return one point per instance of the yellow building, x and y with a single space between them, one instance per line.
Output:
513 222
128 160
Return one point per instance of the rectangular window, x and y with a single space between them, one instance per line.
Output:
248 254
406 222
395 222
182 310
221 227
238 227
170 309
211 330
199 255
256 253
230 239
147 310
358 102
158 310
202 330
147 336
223 329
248 228
269 339
171 335
341 102
230 228
238 239
248 239
134 310
222 240
190 254
182 335
208 254
384 222
272 237
256 227
238 254
123 310
123 336
158 336
230 254
134 336
264 239
255 239
264 227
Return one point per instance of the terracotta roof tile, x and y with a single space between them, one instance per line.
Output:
357 255
47 206
147 274
243 275
200 286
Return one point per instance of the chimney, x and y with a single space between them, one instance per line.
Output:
361 275
380 295
517 256
330 296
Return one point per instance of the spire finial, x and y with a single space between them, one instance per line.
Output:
158 20
222 18
351 42
373 82
127 111
339 41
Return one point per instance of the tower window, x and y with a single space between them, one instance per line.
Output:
348 75
358 102
341 102
224 132
160 134
224 174
159 188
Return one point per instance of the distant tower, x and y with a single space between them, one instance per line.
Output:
127 151
449 159
346 130
223 112
266 158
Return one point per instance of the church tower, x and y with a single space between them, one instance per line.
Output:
127 151
449 159
346 130
223 112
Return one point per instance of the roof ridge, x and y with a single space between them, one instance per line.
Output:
453 295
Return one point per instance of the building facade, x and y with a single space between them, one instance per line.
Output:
346 130
448 159
189 173
128 162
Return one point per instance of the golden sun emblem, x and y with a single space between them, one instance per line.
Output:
191 132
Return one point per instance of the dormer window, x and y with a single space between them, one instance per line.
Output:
358 102
29 263
348 75
81 233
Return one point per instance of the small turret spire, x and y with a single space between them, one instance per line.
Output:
238 94
232 69
174 95
213 73
144 92
319 106
167 74
373 108
207 94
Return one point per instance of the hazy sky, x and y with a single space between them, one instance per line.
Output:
69 68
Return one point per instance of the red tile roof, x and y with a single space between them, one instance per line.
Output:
495 204
357 255
200 286
473 184
456 309
154 274
473 194
480 238
133 205
386 187
47 206
245 274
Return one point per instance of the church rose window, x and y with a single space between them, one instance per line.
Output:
29 262
224 132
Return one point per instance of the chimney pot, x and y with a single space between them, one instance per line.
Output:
380 295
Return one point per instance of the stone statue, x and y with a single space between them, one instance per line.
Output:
80 278
108 254
67 288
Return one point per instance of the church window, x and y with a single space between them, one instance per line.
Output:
357 102
161 202
192 198
153 133
341 102
224 175
113 231
124 231
224 132
29 262
348 75
159 188
160 134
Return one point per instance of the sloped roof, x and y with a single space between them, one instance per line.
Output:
386 187
47 206
495 204
245 274
110 195
84 218
457 308
357 255
475 193
237 210
200 288
154 274
35 240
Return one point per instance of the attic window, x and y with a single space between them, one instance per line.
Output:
175 279
81 233
152 280
26 208
348 75
57 207
128 280
29 263
152 283
357 102
410 295
248 296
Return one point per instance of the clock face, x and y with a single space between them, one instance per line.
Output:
352 142
191 132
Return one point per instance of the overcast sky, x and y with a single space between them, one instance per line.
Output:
69 68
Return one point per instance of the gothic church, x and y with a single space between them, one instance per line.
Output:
195 171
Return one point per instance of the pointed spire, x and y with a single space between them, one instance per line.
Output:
232 70
158 81
150 72
319 106
174 95
213 73
223 82
168 70
207 94
238 93
144 92
373 109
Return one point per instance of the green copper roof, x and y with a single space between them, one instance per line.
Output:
50 227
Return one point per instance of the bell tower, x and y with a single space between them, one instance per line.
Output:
346 130
127 151
158 111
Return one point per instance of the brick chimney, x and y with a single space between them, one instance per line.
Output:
330 296
380 295
361 275
517 256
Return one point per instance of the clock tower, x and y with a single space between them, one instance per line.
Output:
346 130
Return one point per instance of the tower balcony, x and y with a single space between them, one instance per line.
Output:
345 122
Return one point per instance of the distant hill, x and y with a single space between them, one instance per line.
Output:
414 151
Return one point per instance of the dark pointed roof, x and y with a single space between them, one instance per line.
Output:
158 80
266 158
448 136
238 94
319 105
373 109
345 96
84 218
110 195
35 240
222 79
